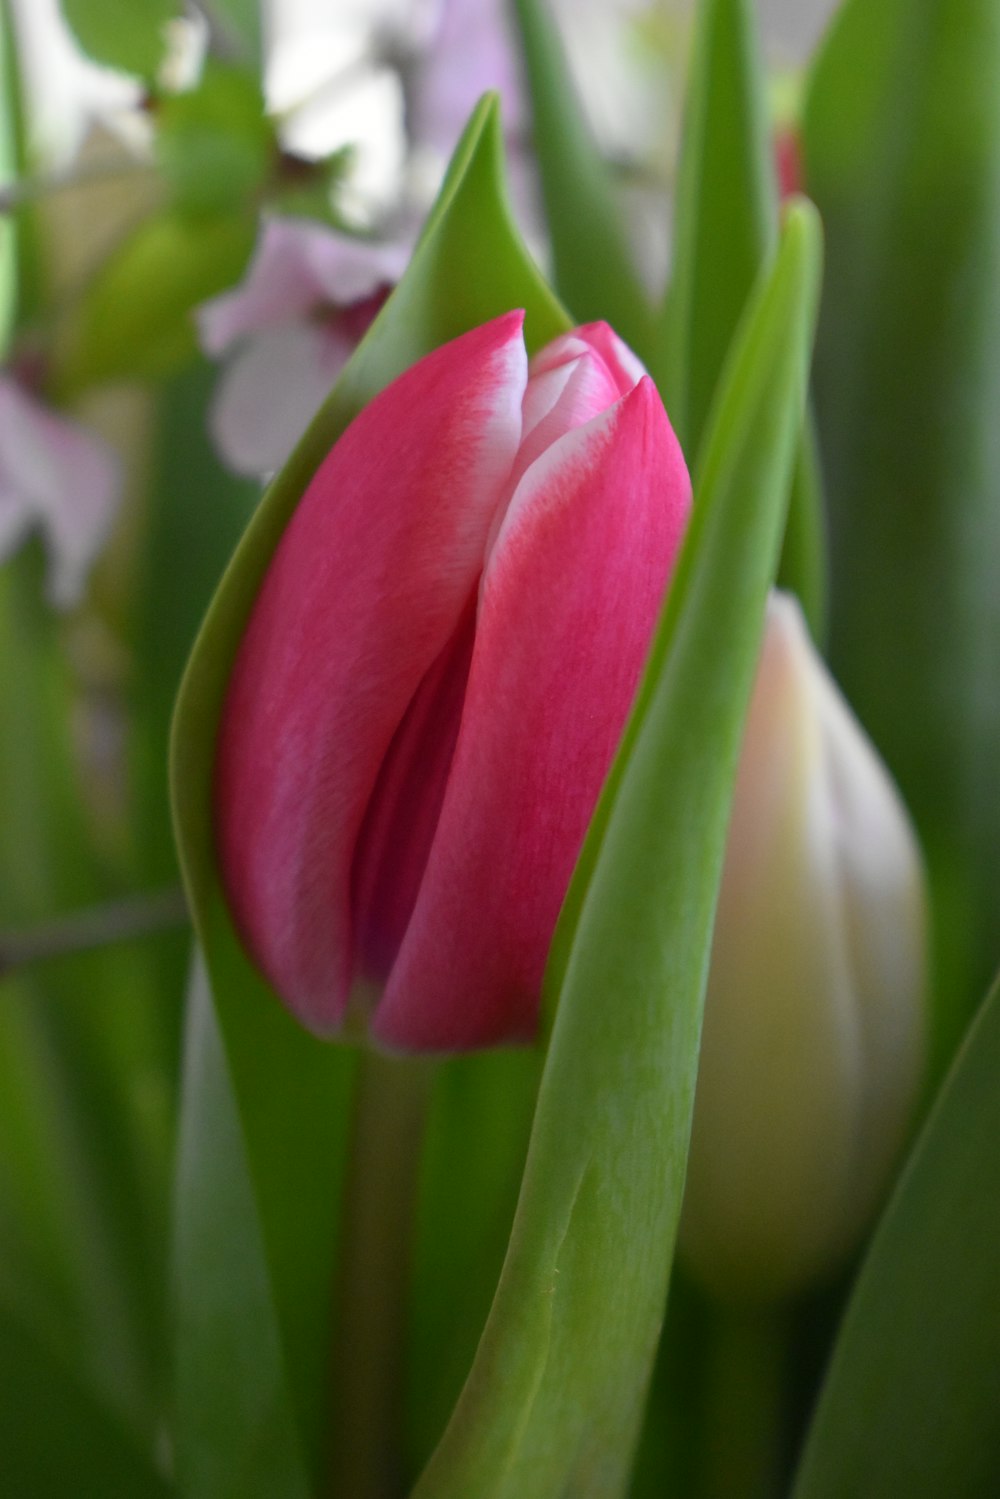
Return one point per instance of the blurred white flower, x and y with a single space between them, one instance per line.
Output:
59 477
66 92
289 328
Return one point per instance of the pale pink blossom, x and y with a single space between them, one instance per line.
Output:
288 329
58 477
472 52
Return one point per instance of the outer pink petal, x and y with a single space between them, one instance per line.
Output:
366 588
568 605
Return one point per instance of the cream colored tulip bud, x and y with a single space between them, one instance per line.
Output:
815 1026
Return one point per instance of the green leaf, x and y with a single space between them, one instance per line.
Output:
902 154
291 1089
911 1403
726 226
213 143
125 34
592 268
236 1432
135 317
474 1148
56 1439
555 1396
726 212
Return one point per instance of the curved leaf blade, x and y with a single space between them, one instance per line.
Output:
911 1403
237 1436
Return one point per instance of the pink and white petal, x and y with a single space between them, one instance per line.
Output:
623 367
568 605
561 397
270 391
366 588
68 479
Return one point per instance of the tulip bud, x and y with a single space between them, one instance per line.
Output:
814 1032
433 681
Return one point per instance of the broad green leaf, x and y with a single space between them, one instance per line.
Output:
911 1403
136 316
292 1090
126 34
593 271
555 1396
235 1429
902 155
213 143
726 227
55 1438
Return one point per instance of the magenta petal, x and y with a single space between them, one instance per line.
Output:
568 605
367 587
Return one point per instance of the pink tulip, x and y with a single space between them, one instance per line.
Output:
433 681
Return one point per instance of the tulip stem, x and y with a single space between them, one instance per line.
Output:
372 1303
745 1435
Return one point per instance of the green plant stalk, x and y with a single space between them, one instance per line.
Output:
372 1300
744 1403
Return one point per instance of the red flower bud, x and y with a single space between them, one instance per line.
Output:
434 678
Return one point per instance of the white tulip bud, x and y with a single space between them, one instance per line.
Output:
815 1026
